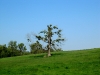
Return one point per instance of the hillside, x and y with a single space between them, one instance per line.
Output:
80 62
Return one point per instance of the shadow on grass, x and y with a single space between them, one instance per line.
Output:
45 55
37 56
56 54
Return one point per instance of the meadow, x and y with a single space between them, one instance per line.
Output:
79 62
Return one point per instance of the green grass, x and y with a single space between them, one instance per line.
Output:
81 62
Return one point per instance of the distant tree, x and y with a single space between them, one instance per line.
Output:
9 51
3 51
36 47
13 46
22 48
48 37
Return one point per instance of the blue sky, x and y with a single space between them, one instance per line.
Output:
79 20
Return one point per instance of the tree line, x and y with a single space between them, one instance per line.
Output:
14 49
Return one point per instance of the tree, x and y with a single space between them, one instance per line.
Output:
1 49
4 52
36 47
48 37
13 46
22 48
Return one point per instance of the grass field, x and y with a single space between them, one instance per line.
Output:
80 62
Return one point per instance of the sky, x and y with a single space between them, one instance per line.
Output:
78 19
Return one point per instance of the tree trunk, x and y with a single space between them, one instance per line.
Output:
49 40
21 53
49 54
49 46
